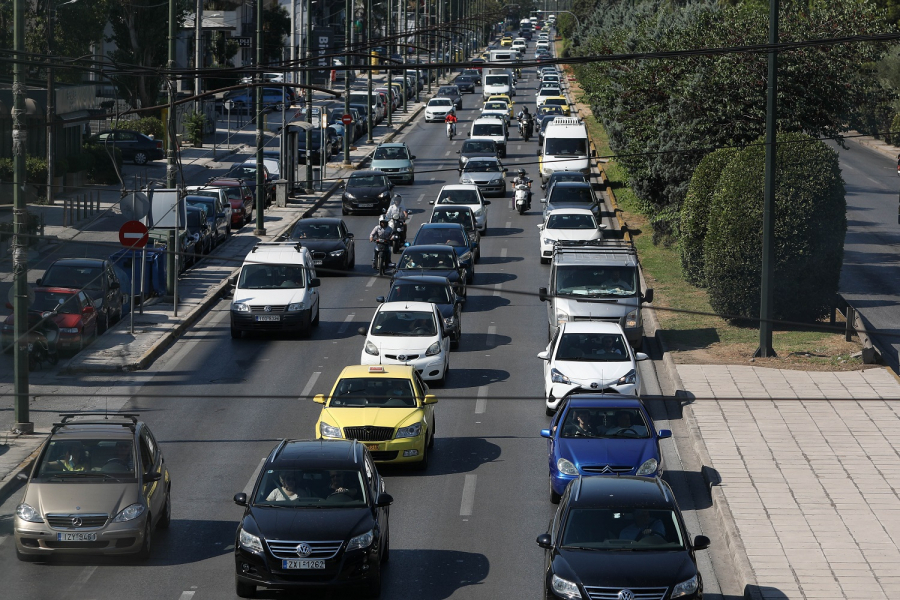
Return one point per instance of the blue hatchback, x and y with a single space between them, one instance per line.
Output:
453 235
601 434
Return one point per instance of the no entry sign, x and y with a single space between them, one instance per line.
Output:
133 234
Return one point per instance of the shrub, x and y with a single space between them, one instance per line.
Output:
32 222
810 224
35 170
105 163
194 124
695 213
79 162
151 126
893 136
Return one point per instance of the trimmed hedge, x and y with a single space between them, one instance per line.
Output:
695 213
35 170
151 126
810 224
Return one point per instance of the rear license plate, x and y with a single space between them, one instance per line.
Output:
76 537
317 263
372 447
302 564
268 318
366 204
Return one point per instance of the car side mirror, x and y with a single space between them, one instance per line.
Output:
361 331
315 282
430 399
457 151
542 294
153 476
380 299
38 282
543 201
538 152
648 295
543 541
22 476
640 356
87 310
545 433
240 499
384 499
413 157
431 201
460 300
663 434
701 542
319 398
543 355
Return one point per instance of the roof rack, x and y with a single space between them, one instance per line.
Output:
297 246
601 245
108 419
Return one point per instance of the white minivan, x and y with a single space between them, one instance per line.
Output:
566 148
497 83
491 127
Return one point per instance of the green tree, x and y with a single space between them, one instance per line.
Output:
276 25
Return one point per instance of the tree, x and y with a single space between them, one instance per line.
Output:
276 25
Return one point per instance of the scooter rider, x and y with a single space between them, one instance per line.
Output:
451 120
396 211
525 180
381 235
525 120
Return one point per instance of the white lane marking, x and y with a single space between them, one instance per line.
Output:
186 595
510 203
310 385
481 400
508 224
468 496
249 487
347 320
420 198
503 252
75 589
432 179
371 282
492 331
447 153
519 147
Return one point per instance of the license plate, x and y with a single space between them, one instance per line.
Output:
260 318
372 447
302 564
366 204
76 537
317 263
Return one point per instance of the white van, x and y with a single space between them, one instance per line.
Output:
497 83
276 290
565 148
505 55
494 128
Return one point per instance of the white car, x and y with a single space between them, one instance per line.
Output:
590 356
554 78
496 108
466 195
519 44
567 224
408 333
437 109
543 37
544 93
542 45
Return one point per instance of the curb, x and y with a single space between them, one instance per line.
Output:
10 481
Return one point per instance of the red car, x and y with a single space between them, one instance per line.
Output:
75 316
241 197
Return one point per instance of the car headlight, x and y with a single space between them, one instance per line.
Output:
685 587
336 253
557 376
496 181
295 307
631 319
68 330
566 467
403 170
466 180
433 349
240 307
564 588
627 378
649 467
361 541
549 241
349 196
407 432
562 316
464 160
371 348
479 212
384 195
26 512
130 513
250 542
328 431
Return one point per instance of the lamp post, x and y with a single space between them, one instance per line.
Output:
348 15
369 139
260 189
307 79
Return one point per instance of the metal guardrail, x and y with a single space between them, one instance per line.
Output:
855 325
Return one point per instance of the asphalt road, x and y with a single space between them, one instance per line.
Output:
465 528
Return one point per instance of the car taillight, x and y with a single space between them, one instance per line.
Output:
159 145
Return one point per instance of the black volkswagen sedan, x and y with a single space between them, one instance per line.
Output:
436 290
328 240
135 146
366 190
317 517
436 260
608 531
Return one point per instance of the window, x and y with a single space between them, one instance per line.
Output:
566 146
626 527
379 392
271 276
320 488
404 323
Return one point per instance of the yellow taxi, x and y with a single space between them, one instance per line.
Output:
503 98
386 407
506 40
559 101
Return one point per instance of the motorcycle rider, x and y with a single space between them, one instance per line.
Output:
526 123
523 179
396 211
381 234
451 120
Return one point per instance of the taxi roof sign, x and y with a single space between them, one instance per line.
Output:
378 369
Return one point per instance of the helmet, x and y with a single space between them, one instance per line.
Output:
383 220
525 109
521 172
397 199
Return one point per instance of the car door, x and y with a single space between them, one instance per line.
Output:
89 318
312 291
113 288
551 354
127 142
347 237
421 389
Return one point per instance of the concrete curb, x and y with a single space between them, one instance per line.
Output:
9 482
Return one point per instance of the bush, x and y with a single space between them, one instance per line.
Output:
35 170
105 163
32 222
810 224
151 126
893 136
194 124
695 213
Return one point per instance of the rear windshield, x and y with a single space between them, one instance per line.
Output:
487 129
263 277
319 488
420 292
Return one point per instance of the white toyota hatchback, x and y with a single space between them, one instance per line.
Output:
466 194
408 333
592 357
567 224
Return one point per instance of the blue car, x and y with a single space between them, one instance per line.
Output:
601 434
453 235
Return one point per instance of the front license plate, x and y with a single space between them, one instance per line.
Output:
366 204
317 263
260 318
302 564
372 447
76 537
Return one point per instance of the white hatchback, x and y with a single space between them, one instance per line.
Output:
567 224
437 109
408 333
466 194
592 357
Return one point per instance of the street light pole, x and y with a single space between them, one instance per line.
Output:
309 96
260 189
369 139
348 10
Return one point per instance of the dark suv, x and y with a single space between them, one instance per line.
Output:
96 277
605 534
317 517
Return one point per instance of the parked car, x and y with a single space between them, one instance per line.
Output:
366 190
328 240
272 98
197 225
240 196
436 290
96 277
135 146
216 219
217 193
247 172
75 316
315 155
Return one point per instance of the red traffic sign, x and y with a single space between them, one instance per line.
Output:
346 119
133 234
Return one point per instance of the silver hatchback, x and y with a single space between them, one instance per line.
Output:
487 173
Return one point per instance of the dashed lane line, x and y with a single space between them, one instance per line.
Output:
310 384
186 595
347 320
468 496
481 400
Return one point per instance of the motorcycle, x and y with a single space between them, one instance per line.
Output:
451 130
42 340
525 128
398 237
523 196
382 255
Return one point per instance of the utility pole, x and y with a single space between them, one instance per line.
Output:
260 189
51 101
172 243
416 42
404 54
369 138
198 56
348 10
20 244
430 37
309 98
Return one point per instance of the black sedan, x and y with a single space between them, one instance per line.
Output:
307 492
135 146
605 534
366 190
328 240
452 92
436 290
465 83
436 260
475 74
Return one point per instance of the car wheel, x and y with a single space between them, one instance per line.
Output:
166 519
315 321
470 276
27 557
352 262
236 334
140 158
244 590
104 324
144 552
412 180
554 497
344 211
433 432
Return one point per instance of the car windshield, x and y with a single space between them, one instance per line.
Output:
495 106
62 303
404 324
449 90
566 146
383 392
316 231
79 278
441 235
440 102
206 205
592 347
464 79
589 280
207 193
392 153
420 292
233 193
458 197
549 109
317 488
556 101
91 459
487 129
478 146
482 166
571 195
264 277
622 528
418 259
549 91
571 222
